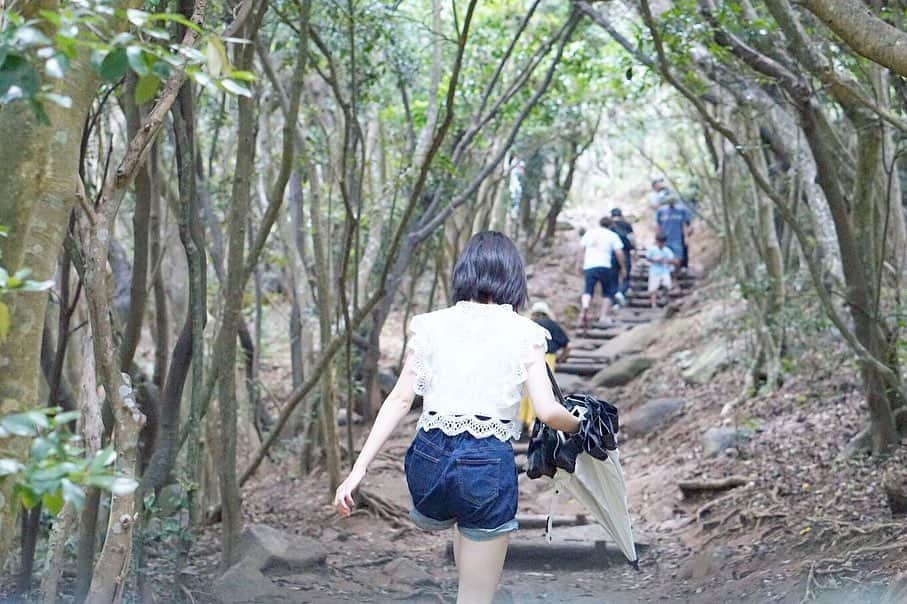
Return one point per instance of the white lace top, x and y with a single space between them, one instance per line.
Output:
470 362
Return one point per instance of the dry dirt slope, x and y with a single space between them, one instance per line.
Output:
803 526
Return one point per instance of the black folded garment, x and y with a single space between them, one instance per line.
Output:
550 449
542 445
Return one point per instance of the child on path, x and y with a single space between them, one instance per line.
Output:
557 351
661 263
594 262
471 363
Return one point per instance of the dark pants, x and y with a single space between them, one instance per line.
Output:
605 275
625 284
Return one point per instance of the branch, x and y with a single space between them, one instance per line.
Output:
862 31
745 152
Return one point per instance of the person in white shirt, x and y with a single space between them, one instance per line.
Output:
471 363
599 247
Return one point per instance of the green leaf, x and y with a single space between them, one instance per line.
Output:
216 56
137 17
102 458
24 424
114 65
102 482
245 76
30 36
236 88
10 466
146 88
29 498
53 501
135 57
66 417
40 286
4 322
159 34
72 493
41 448
56 66
175 18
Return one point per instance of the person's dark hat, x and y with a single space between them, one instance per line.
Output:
616 212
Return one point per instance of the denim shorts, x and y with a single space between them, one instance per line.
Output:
462 480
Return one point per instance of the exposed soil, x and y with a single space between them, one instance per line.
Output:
804 526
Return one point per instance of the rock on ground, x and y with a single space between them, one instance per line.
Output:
622 372
265 550
631 341
647 417
716 440
710 361
243 584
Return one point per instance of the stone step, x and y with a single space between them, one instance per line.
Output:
581 369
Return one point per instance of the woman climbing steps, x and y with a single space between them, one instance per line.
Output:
460 468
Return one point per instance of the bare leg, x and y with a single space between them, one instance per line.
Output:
480 564
457 538
606 310
584 315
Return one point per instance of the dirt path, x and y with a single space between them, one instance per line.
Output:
800 509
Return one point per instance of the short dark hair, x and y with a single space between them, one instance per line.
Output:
605 222
616 212
490 269
661 237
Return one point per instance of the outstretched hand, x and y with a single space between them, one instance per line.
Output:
343 499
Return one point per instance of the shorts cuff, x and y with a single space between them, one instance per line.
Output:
429 524
480 534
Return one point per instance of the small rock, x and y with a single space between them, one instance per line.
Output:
896 494
563 225
622 372
716 440
647 417
403 571
267 549
704 564
341 418
707 363
242 583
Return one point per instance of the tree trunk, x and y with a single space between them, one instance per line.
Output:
53 565
36 212
231 524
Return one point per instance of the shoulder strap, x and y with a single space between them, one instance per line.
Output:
557 389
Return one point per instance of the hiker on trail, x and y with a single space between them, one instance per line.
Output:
600 246
471 363
661 264
659 195
558 350
624 230
675 223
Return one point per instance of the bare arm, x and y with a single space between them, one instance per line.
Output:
395 407
547 408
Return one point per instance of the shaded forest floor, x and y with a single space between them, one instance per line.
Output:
804 525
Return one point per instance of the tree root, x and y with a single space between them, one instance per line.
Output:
381 507
693 487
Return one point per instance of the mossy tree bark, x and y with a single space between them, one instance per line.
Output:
38 187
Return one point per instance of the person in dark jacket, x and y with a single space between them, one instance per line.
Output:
558 351
624 230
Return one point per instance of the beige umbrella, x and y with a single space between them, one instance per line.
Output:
599 486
